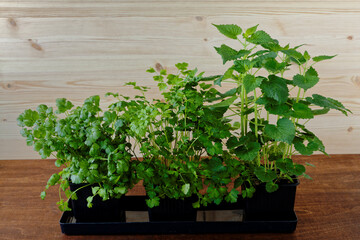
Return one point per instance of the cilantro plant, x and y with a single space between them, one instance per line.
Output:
270 105
91 146
182 141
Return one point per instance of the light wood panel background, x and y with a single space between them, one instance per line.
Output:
74 49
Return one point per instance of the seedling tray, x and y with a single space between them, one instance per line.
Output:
223 218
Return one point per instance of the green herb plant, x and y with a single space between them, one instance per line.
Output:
270 105
91 146
182 141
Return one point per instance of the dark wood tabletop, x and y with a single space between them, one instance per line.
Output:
328 207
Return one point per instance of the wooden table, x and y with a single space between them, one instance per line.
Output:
327 207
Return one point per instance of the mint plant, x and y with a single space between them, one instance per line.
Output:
91 146
270 107
182 141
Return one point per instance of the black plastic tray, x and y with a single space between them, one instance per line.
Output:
224 218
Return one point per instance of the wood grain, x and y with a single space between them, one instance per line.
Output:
73 49
327 207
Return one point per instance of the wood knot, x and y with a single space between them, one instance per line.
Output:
8 86
350 129
4 120
158 67
356 80
205 39
199 18
350 37
12 22
35 45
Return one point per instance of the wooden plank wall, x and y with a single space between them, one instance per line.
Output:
74 49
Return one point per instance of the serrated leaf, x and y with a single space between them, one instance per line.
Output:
265 175
248 152
224 103
294 56
210 78
271 187
162 86
250 31
185 188
302 111
284 131
322 58
153 202
229 30
251 82
28 118
308 81
232 196
150 70
196 204
227 53
262 38
276 88
120 190
325 102
63 105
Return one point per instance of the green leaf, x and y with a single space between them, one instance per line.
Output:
320 111
210 78
153 202
261 37
28 118
248 152
109 117
229 30
251 82
94 150
322 57
308 81
250 31
325 102
150 70
162 86
294 56
275 88
309 164
63 105
227 53
196 204
238 182
314 144
76 178
120 190
224 103
89 201
182 66
284 131
53 179
232 196
271 187
265 175
43 195
185 188
302 111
